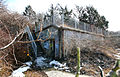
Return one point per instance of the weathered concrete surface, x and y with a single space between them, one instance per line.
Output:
55 73
74 39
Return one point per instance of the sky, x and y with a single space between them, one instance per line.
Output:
109 8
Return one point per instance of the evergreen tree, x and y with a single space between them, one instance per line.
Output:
91 16
30 13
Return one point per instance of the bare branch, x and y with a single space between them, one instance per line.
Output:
101 72
11 41
35 40
6 61
12 44
39 32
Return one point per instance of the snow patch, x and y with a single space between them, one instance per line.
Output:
56 63
118 53
28 63
19 72
117 56
118 49
59 66
40 61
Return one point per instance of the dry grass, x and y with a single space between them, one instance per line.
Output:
96 53
5 70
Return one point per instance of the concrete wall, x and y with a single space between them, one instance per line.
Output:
67 38
78 39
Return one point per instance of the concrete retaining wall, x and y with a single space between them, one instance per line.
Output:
78 39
